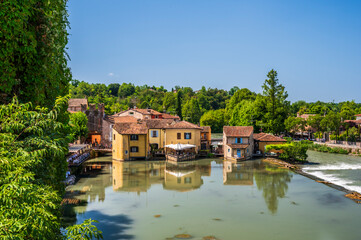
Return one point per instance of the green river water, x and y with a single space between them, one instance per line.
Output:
211 197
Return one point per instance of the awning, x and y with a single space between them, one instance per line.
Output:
180 146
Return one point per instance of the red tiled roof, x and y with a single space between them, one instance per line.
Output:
168 116
147 111
124 119
158 123
268 138
243 146
182 125
238 131
206 129
131 128
77 101
358 115
258 135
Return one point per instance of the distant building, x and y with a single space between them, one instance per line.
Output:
358 116
261 140
206 138
75 104
145 114
238 142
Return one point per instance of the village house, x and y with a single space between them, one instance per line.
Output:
145 114
206 138
261 140
130 141
238 142
147 138
75 104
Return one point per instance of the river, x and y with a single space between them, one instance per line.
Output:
211 197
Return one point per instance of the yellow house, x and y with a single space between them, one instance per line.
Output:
156 132
183 132
130 141
261 140
206 137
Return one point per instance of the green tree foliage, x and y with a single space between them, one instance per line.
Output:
295 124
294 151
191 111
78 122
125 90
239 96
315 122
84 231
233 90
331 122
179 104
243 114
215 119
33 145
33 60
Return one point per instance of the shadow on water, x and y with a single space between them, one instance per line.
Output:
113 227
274 184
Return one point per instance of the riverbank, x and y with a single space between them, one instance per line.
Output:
355 196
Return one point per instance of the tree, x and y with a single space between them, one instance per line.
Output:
243 114
315 122
33 60
332 122
114 88
233 90
78 122
125 90
215 119
33 145
240 95
191 111
179 104
295 124
276 103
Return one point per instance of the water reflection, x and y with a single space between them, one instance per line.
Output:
136 176
185 176
273 182
238 173
139 176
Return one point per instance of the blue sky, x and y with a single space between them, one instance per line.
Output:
314 45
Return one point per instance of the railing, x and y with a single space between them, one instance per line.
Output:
182 157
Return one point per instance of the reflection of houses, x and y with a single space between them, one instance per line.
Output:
186 176
139 176
136 176
237 173
261 140
238 142
206 138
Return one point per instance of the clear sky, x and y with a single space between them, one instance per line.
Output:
315 45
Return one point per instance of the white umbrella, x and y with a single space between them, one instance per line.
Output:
179 146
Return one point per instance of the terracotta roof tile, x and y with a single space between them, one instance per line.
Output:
268 138
258 135
206 129
124 119
158 123
168 116
77 101
147 111
131 128
358 115
238 131
243 146
182 125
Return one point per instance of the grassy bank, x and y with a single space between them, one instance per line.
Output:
324 148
